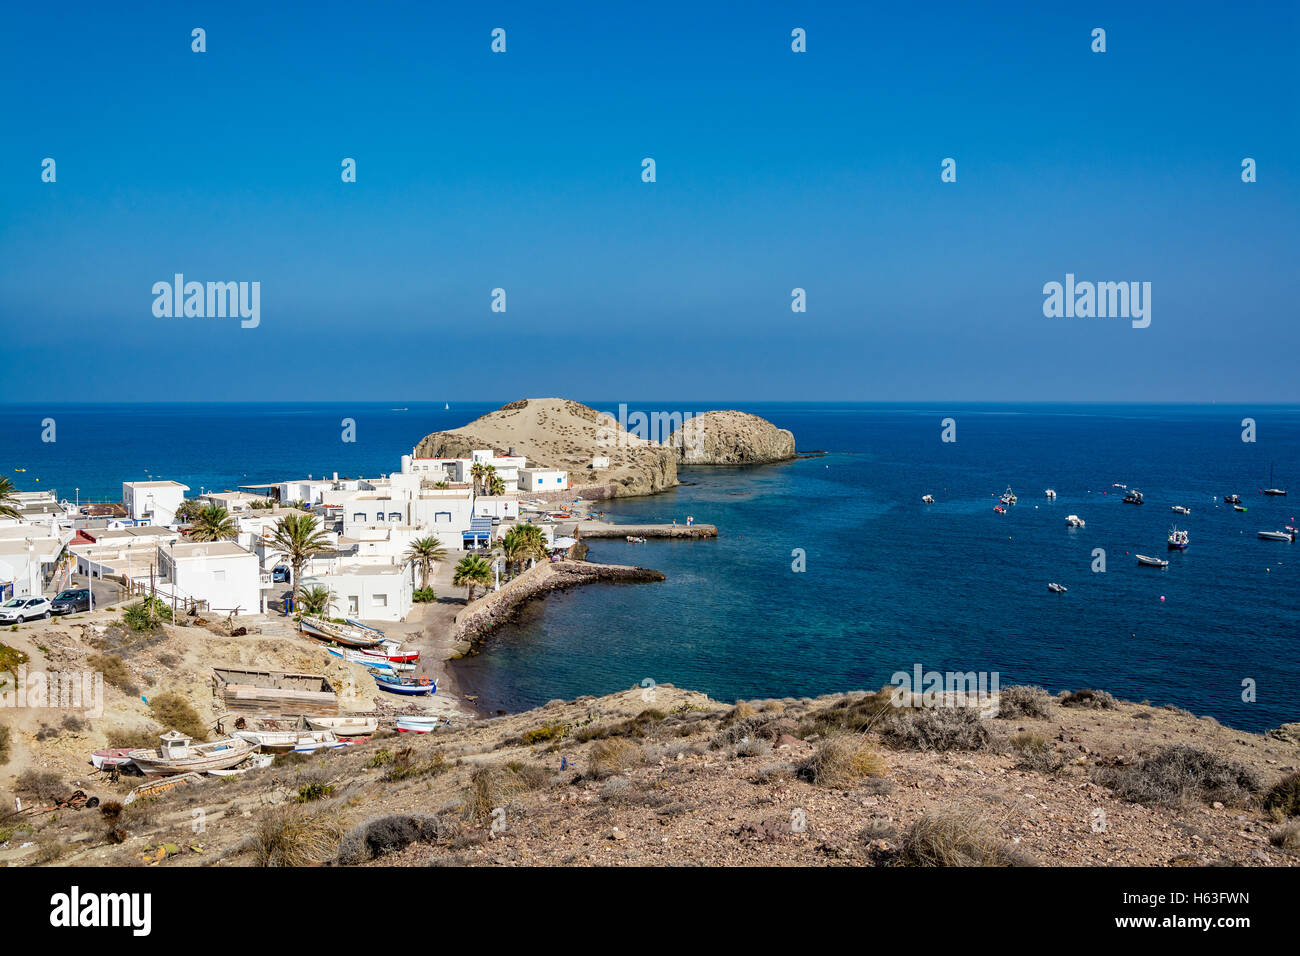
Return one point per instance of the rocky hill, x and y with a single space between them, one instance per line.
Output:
731 438
558 433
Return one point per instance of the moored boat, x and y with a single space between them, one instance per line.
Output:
1178 539
1134 497
1274 490
927 499
1051 493
1277 535
1074 521
1152 562
346 634
1057 588
177 753
1232 499
1181 509
409 686
1238 507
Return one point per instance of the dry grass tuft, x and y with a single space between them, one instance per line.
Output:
843 760
1022 700
935 728
295 835
1088 699
611 756
1182 775
957 839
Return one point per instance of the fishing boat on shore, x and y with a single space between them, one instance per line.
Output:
411 724
379 665
1152 562
1178 539
290 741
393 652
408 686
254 762
348 635
1277 535
111 759
177 753
345 726
1057 588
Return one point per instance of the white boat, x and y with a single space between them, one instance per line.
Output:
345 726
255 762
1074 521
1152 562
1057 588
1181 509
1277 535
284 741
377 664
1009 496
409 724
927 499
177 753
392 651
346 634
1178 539
1051 493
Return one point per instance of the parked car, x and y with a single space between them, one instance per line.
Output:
24 609
280 574
71 601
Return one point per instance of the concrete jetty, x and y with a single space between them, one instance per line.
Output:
603 529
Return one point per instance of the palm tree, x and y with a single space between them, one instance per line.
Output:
213 524
317 600
8 498
423 554
496 485
471 572
188 511
477 472
299 539
524 542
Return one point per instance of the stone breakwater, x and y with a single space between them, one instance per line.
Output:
603 529
479 620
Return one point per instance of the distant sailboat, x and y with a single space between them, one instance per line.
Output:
446 406
1272 489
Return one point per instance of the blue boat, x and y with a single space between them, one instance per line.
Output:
365 627
376 664
410 686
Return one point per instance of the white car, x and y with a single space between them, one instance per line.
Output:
24 609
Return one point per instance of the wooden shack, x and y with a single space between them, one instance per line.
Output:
274 693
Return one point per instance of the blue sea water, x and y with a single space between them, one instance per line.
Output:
890 582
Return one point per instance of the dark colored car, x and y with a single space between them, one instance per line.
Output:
71 601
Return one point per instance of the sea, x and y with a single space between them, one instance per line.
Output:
829 573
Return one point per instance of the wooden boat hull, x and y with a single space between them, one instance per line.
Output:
153 764
346 635
345 726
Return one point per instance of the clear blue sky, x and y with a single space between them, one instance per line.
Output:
775 170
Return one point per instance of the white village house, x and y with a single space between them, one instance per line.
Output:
153 502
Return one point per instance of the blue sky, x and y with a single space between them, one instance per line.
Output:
775 170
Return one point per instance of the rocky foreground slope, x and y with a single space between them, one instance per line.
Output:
660 776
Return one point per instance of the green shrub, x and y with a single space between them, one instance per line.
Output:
548 731
147 614
314 791
5 737
175 713
423 595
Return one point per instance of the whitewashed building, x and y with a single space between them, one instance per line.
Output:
543 479
367 592
221 573
154 502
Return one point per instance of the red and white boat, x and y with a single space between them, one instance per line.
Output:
391 651
111 759
409 724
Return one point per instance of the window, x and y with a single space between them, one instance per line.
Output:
394 516
380 600
359 517
354 604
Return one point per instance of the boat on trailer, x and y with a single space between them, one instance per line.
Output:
348 635
177 753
